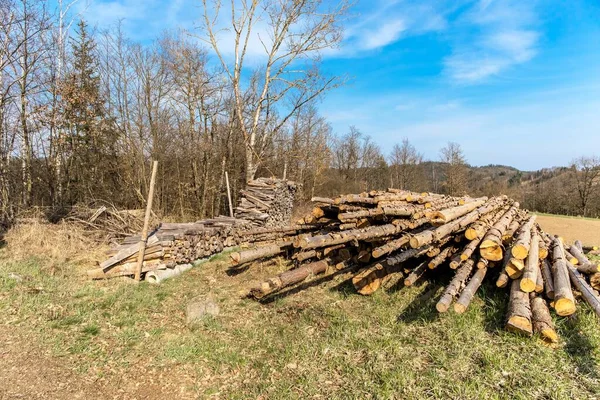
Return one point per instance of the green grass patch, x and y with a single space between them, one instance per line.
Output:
325 342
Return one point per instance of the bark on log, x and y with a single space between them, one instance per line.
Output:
586 291
478 229
502 280
521 247
291 277
584 264
530 274
539 284
542 321
514 268
440 258
491 245
416 274
469 291
390 246
518 318
449 214
455 286
246 256
564 302
548 280
543 248
435 234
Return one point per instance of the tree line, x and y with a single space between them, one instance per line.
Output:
83 113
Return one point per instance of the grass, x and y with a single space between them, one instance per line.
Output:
324 342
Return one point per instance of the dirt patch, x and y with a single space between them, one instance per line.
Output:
571 229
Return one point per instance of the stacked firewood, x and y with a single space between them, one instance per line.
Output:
382 238
267 202
171 244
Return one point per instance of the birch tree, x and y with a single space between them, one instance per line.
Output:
292 35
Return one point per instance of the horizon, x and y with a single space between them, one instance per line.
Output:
498 77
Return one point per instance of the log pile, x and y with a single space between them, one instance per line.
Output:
267 202
170 245
395 237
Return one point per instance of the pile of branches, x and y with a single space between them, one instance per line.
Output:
382 238
107 221
267 202
170 245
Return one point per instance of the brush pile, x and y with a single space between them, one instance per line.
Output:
107 221
395 237
170 245
267 202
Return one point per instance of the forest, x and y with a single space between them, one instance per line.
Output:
83 112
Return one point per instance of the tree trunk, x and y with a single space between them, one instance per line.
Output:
542 321
518 318
564 302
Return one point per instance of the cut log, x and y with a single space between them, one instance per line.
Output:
390 246
542 321
548 280
291 277
543 248
416 274
455 286
564 302
539 284
518 318
595 281
435 234
514 268
483 263
246 256
520 248
368 280
440 258
478 229
502 280
449 214
491 245
469 291
126 253
529 279
584 265
586 291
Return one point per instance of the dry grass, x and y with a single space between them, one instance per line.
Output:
64 336
572 228
53 246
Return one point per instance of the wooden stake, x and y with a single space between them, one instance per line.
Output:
229 194
144 236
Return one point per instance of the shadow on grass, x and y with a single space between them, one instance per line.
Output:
422 308
495 303
308 284
579 348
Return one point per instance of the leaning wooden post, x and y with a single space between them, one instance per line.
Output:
144 237
229 195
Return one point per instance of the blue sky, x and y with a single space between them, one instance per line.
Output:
514 82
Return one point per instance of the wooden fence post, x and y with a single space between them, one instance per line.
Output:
144 237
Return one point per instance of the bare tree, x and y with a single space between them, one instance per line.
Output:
456 171
295 34
586 171
404 161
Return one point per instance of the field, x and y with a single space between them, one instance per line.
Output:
571 228
65 337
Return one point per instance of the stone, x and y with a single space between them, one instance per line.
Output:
201 307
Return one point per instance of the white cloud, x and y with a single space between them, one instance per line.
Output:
387 22
383 35
498 35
